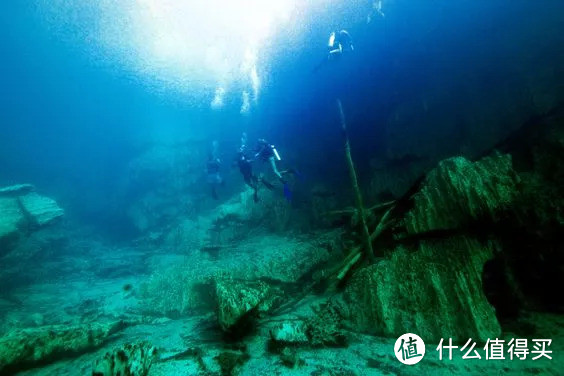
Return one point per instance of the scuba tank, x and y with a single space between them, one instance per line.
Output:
275 152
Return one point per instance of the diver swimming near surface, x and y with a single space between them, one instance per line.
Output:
377 9
339 42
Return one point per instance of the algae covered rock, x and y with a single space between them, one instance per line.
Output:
21 210
323 328
292 332
39 209
130 359
435 292
25 348
459 191
239 301
434 287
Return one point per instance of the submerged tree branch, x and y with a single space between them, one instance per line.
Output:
354 181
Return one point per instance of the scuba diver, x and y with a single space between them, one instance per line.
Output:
339 42
376 10
213 166
245 165
268 153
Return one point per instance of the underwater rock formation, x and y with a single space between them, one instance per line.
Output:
188 286
238 301
26 348
323 328
458 192
40 210
433 286
22 210
290 333
272 213
129 359
435 292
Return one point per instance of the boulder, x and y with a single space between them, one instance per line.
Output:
186 284
39 209
435 292
434 288
22 209
239 301
459 191
290 333
323 328
25 348
130 359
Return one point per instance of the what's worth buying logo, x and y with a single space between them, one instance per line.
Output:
409 349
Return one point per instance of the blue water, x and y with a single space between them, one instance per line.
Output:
73 117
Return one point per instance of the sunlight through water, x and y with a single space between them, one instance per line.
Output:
215 51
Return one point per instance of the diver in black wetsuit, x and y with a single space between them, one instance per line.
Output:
268 153
245 165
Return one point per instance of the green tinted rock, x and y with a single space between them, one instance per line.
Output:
39 209
25 348
290 332
22 210
435 292
434 288
129 359
459 191
239 300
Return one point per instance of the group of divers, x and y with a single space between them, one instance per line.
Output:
340 42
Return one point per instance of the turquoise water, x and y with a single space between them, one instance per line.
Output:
111 109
